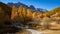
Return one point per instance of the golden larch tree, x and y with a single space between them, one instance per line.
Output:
2 14
40 15
14 12
24 12
29 13
34 14
20 13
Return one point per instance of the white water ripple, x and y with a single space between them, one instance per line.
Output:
31 31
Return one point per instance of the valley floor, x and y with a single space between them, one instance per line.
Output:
31 31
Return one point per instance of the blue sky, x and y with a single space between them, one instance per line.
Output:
45 4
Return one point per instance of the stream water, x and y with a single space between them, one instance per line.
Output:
31 31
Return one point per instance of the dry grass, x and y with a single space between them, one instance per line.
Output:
22 32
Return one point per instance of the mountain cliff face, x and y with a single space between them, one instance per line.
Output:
17 4
28 7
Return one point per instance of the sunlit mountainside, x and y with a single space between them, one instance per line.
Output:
15 17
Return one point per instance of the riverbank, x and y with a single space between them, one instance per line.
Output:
31 31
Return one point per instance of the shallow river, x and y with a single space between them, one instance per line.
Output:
31 31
